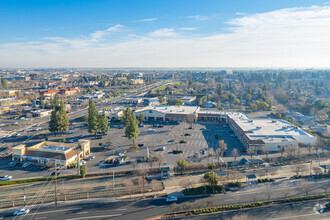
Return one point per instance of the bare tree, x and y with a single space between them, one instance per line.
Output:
290 151
184 183
198 204
265 150
268 191
175 207
299 169
317 170
87 188
222 147
129 186
325 186
305 187
209 203
285 192
234 153
134 164
251 151
12 197
272 171
186 206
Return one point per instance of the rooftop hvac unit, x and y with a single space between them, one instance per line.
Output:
274 121
258 127
251 121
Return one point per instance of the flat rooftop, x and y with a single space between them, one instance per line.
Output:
270 128
171 109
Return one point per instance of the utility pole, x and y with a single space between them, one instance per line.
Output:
78 161
113 179
55 184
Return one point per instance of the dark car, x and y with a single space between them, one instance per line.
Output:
53 173
121 126
160 126
99 137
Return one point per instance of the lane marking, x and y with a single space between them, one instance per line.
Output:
92 217
80 213
40 213
41 218
121 209
291 217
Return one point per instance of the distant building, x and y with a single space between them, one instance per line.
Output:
41 113
51 152
93 95
134 100
169 113
188 100
49 93
114 113
137 81
69 92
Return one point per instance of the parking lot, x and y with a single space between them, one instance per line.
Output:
201 138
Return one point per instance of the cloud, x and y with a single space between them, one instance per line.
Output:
163 32
100 34
147 20
187 29
199 17
292 37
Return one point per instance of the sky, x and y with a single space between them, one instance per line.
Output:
164 33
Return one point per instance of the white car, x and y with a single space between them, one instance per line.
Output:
4 178
22 211
151 130
26 164
82 162
171 199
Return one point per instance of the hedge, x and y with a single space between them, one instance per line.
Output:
265 180
204 190
225 208
235 184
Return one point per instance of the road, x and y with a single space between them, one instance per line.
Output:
109 208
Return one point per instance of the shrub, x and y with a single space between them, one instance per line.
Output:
204 190
135 146
235 184
186 134
183 142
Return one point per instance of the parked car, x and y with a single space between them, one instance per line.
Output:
172 199
203 151
82 162
25 165
162 148
22 211
99 137
121 126
91 157
43 167
4 178
141 125
160 126
12 164
151 130
104 133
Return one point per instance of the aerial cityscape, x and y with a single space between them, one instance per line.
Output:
189 109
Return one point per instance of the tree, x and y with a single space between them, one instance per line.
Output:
212 178
63 122
141 118
126 117
92 117
182 164
103 122
234 153
161 99
132 128
83 170
42 103
175 102
4 82
54 122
